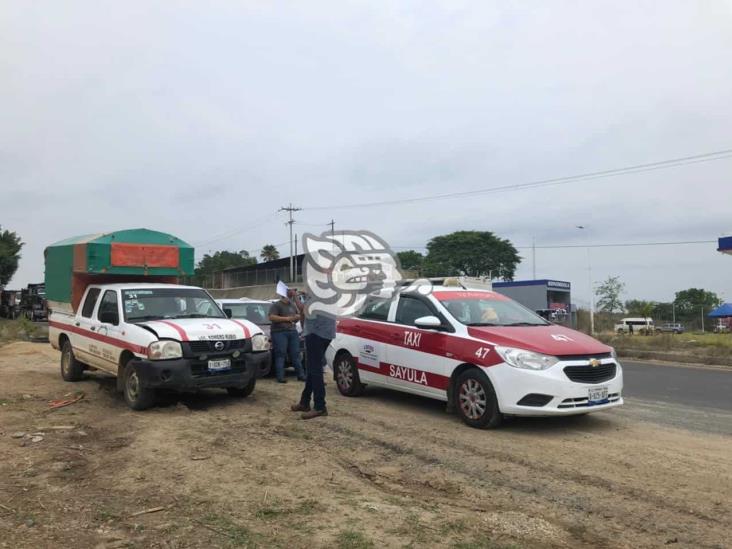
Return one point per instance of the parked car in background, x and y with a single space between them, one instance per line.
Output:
670 328
33 302
637 325
257 311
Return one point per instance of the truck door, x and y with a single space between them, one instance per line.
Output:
108 329
82 338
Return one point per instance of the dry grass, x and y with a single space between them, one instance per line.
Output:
707 348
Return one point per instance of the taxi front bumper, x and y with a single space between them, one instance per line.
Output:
551 392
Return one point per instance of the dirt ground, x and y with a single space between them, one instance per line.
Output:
383 470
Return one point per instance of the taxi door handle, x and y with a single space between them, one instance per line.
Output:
77 323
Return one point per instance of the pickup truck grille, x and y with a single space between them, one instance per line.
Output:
204 347
590 374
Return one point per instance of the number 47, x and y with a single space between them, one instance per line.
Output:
482 352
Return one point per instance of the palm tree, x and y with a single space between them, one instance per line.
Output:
269 253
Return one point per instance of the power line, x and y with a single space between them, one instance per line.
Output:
638 168
621 245
233 232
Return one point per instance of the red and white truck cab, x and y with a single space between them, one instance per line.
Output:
481 352
157 336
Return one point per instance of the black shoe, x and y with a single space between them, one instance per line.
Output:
302 379
281 381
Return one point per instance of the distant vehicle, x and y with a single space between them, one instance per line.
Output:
257 311
670 327
10 304
635 325
33 302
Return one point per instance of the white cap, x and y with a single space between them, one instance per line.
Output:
281 289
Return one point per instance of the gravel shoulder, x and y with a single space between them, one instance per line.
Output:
384 470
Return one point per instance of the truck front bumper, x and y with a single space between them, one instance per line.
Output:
190 374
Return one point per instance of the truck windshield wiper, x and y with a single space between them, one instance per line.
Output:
195 315
143 318
524 324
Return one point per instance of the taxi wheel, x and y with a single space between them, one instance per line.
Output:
475 400
136 396
71 369
346 374
242 392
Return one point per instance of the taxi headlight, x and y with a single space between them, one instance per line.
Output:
163 350
526 360
259 342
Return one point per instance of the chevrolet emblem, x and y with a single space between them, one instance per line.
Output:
594 362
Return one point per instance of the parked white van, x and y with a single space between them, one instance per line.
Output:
634 325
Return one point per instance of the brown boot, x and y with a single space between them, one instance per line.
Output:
314 413
299 408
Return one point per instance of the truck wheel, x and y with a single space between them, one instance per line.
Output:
137 397
242 392
476 401
71 369
346 374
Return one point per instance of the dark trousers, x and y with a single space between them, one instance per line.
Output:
315 347
287 343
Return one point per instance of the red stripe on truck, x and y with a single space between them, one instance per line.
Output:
99 337
243 327
181 332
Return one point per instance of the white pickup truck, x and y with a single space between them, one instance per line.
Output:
157 336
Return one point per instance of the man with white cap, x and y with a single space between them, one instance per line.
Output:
284 315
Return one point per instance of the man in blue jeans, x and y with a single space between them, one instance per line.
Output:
284 315
319 331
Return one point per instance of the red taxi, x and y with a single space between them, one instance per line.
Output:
481 352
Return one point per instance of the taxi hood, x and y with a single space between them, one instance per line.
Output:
196 329
551 340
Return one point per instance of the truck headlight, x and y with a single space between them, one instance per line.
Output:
526 360
259 342
163 350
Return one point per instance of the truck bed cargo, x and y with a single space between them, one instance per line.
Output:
133 255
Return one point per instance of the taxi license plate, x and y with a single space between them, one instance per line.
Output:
219 365
597 395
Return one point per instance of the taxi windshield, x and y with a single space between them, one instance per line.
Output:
487 311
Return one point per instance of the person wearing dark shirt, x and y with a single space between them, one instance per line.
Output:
284 315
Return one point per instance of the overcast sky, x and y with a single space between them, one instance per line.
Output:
203 118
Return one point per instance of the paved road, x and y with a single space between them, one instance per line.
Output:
681 385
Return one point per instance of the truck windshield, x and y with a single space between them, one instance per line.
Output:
491 312
159 303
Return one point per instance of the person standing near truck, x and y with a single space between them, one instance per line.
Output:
284 315
319 330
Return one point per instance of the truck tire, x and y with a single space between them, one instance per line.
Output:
71 369
137 397
346 374
475 400
242 392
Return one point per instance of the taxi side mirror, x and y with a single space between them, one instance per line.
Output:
429 322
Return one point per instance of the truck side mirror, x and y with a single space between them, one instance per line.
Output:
228 313
109 317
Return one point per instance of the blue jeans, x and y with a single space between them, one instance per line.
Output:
315 347
286 343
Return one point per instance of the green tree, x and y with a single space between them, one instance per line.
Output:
223 260
471 253
608 294
411 260
689 302
10 246
269 253
636 306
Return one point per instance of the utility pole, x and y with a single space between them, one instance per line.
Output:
290 209
533 257
702 318
332 227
